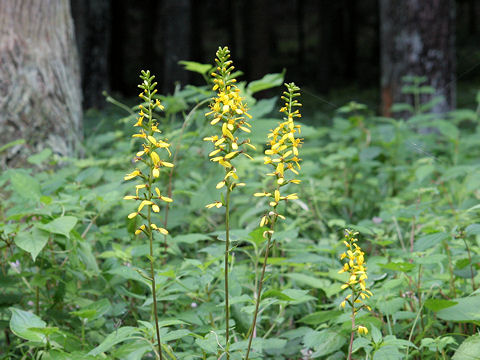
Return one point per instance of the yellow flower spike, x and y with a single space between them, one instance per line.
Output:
354 264
153 146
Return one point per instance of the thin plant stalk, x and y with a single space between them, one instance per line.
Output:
259 291
352 334
227 250
152 271
154 290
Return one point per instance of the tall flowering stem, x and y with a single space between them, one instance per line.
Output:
354 264
147 193
282 156
229 117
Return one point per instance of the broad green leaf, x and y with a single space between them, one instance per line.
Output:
429 241
320 317
62 225
132 350
465 310
398 266
310 281
267 82
32 241
21 323
298 296
190 238
324 342
196 67
39 158
391 306
469 349
25 185
388 352
473 229
438 304
118 336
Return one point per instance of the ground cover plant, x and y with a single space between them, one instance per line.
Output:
192 265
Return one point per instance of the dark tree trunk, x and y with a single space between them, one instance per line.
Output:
417 38
176 16
93 26
40 94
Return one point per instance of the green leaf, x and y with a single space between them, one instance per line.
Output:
61 226
320 317
429 241
39 158
32 241
25 185
465 310
469 349
22 321
267 82
398 266
438 304
11 144
298 296
132 351
118 336
473 229
324 342
310 281
196 67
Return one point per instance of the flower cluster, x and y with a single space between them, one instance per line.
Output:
354 264
147 193
282 153
229 114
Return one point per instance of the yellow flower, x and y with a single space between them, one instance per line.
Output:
150 156
362 330
282 151
229 114
354 265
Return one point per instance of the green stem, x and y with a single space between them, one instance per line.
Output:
259 291
37 300
152 275
350 347
227 249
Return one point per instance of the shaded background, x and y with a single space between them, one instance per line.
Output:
324 45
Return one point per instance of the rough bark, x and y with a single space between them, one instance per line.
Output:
417 38
93 31
40 97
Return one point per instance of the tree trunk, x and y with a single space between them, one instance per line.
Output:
40 97
92 30
417 38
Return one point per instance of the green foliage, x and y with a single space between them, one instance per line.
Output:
71 271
